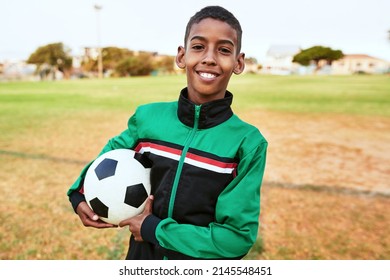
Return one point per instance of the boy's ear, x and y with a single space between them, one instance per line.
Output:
180 61
240 64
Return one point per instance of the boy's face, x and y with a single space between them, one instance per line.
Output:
210 58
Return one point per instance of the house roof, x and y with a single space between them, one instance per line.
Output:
357 56
361 56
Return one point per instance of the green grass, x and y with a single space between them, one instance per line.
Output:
363 95
28 105
367 95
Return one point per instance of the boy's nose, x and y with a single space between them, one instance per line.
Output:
209 58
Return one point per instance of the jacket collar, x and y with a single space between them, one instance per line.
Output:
211 113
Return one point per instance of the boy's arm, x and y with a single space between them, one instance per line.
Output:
126 139
237 218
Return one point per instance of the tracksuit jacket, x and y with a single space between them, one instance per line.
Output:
206 175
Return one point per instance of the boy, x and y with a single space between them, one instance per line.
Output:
208 165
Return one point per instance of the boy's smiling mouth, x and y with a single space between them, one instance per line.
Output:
207 75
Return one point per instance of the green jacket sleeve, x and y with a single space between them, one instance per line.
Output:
237 217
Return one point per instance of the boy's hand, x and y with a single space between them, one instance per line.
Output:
89 218
135 223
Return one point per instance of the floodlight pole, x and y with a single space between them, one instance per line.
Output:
100 58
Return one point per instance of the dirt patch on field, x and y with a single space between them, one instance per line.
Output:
326 191
326 150
307 224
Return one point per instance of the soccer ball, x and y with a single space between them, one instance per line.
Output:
117 185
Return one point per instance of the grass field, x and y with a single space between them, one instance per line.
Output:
326 192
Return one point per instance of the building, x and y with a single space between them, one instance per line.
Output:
360 64
17 70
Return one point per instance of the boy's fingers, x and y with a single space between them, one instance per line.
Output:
149 205
147 210
123 223
94 217
84 208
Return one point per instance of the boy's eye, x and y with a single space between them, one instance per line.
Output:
197 47
225 50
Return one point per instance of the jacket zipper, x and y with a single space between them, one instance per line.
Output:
181 161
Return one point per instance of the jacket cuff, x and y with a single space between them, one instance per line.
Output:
148 229
75 199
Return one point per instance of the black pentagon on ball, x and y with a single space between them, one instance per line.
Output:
99 207
135 195
106 168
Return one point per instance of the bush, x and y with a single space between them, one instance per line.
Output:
135 66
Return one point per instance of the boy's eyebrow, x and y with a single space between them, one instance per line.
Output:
222 41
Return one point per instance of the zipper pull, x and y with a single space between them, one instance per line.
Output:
197 110
197 114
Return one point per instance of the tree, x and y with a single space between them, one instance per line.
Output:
251 65
250 60
123 62
140 65
165 64
317 54
52 57
111 58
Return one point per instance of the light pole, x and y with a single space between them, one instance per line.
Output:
100 58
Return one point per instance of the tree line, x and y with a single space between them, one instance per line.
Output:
118 62
122 62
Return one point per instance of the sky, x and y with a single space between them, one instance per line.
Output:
353 26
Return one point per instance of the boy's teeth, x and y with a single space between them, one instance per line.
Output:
207 75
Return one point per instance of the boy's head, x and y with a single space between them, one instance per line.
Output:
211 53
218 13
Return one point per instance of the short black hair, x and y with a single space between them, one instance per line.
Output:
218 13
